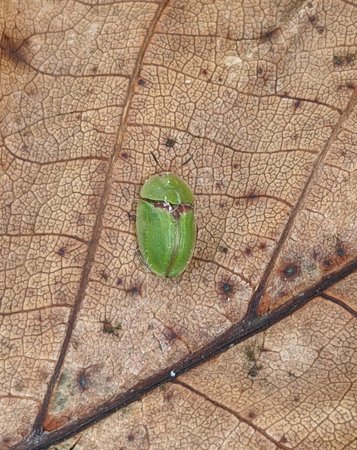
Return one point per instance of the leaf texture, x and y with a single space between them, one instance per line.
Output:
262 96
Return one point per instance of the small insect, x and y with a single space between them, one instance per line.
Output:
165 224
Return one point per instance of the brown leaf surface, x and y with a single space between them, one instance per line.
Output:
262 97
289 387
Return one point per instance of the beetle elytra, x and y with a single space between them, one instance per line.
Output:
165 224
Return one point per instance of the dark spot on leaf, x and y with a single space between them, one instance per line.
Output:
268 35
340 251
235 166
168 395
203 72
12 50
119 281
170 142
252 415
222 249
350 57
130 437
320 29
141 82
259 70
134 290
291 374
94 69
131 216
109 328
124 155
170 334
283 439
61 252
327 263
104 276
337 60
83 380
297 104
252 196
296 398
219 185
290 271
350 85
312 20
262 245
249 353
248 251
226 288
253 371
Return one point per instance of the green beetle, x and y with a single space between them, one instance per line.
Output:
165 224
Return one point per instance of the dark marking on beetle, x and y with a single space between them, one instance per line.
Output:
170 142
61 252
290 271
134 290
226 289
130 437
104 276
175 210
222 249
141 82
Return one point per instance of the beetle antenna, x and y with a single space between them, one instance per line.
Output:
187 161
157 161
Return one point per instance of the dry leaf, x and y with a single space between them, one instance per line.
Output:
262 96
